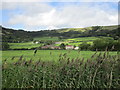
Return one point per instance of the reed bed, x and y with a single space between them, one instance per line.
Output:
100 71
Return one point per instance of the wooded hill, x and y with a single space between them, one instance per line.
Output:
11 35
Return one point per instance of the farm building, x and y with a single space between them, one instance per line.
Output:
69 47
76 48
44 47
50 47
58 42
55 47
36 42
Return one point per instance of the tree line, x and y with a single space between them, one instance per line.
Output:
102 44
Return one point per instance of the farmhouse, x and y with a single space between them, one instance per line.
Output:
55 47
44 47
69 47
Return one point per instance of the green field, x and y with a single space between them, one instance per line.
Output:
46 38
72 41
59 68
23 45
78 41
46 55
82 39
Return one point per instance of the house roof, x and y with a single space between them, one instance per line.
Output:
69 46
50 46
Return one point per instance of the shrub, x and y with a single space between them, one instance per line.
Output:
103 43
62 46
5 46
84 46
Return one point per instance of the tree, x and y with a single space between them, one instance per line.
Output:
103 43
5 46
84 46
62 46
116 45
95 28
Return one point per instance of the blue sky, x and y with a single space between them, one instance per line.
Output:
53 15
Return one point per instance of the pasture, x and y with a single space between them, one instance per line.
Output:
23 45
78 41
82 39
46 38
46 55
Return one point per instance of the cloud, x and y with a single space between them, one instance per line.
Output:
60 0
43 15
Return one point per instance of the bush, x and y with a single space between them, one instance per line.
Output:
62 46
109 43
84 46
5 46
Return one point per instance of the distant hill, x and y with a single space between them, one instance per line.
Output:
11 35
88 28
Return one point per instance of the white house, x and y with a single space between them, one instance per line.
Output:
36 42
76 48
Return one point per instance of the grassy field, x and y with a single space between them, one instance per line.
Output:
59 68
46 38
23 45
31 44
101 70
72 41
76 44
46 55
82 39
78 41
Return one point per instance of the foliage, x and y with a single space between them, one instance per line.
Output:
15 36
5 46
62 46
95 28
99 71
106 43
84 46
12 35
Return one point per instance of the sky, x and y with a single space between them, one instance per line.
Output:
35 16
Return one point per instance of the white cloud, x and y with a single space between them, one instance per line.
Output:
60 0
44 15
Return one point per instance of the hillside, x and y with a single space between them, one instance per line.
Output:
87 28
11 35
